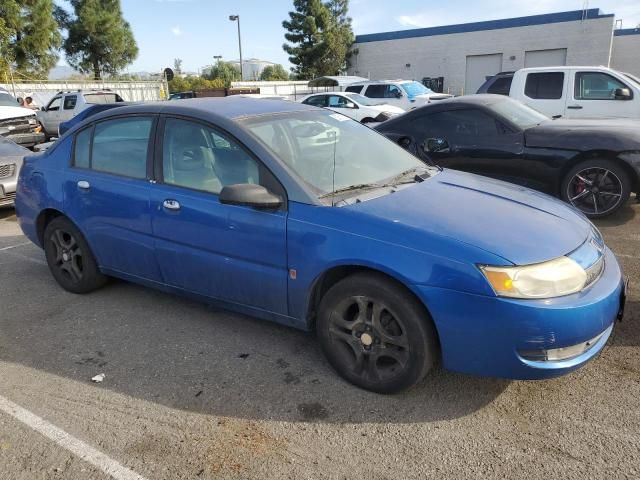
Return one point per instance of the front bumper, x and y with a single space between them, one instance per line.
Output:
8 191
27 139
493 336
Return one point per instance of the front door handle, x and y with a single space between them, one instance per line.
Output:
575 107
171 205
84 185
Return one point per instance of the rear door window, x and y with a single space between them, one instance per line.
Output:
376 91
70 102
317 101
544 85
354 89
501 86
117 146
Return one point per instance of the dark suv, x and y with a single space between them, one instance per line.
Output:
499 84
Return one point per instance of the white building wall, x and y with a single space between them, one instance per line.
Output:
587 42
626 53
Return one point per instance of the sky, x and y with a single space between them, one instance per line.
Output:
196 30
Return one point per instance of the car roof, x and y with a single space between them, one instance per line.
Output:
369 82
328 93
565 67
214 109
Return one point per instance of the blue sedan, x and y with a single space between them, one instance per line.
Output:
304 217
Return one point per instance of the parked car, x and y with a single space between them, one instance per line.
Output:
499 84
182 95
11 155
592 164
577 92
227 201
17 123
65 105
406 94
354 105
90 111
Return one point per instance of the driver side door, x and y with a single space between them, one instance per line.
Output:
50 115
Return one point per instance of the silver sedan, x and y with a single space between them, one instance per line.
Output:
11 156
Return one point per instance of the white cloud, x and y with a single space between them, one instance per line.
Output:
176 30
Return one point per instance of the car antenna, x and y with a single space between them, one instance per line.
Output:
333 187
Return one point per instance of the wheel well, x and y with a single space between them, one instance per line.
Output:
605 155
43 220
367 120
334 275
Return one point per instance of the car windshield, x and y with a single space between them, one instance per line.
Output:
332 153
415 88
632 77
7 100
362 100
517 113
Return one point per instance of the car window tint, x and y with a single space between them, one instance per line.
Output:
54 105
596 86
392 92
70 102
376 91
337 101
354 89
501 86
316 101
456 124
82 149
120 146
102 98
198 157
544 85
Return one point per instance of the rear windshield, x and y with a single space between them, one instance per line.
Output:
102 98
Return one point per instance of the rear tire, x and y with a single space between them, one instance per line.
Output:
69 257
375 334
597 187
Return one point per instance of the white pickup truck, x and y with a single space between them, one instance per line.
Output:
578 92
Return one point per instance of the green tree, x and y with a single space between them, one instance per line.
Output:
29 36
338 38
225 71
193 84
274 72
100 39
305 29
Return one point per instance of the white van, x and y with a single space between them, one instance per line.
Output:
578 92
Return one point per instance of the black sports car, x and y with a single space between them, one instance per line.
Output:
592 164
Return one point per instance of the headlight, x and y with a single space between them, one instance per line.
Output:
32 121
555 278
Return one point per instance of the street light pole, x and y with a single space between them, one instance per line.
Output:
236 18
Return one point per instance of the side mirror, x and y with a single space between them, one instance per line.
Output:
44 109
351 105
622 94
436 145
250 195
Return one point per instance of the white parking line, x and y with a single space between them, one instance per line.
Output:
25 257
69 442
14 246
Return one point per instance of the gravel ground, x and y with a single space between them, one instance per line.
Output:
199 393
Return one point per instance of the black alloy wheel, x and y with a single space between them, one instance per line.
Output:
376 334
597 188
69 257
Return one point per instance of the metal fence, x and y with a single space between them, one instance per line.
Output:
293 90
132 91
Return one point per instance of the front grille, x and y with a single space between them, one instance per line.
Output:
8 170
17 125
9 198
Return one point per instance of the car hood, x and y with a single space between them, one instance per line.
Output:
586 134
520 225
15 112
427 97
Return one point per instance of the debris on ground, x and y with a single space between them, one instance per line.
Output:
98 378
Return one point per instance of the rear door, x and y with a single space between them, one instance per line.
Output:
106 193
594 95
231 253
546 91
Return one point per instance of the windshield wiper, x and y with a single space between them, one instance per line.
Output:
350 188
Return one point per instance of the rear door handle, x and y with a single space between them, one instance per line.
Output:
575 107
84 185
171 205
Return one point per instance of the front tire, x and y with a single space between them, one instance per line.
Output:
69 257
597 187
375 334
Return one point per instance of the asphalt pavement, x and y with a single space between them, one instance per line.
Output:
192 392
